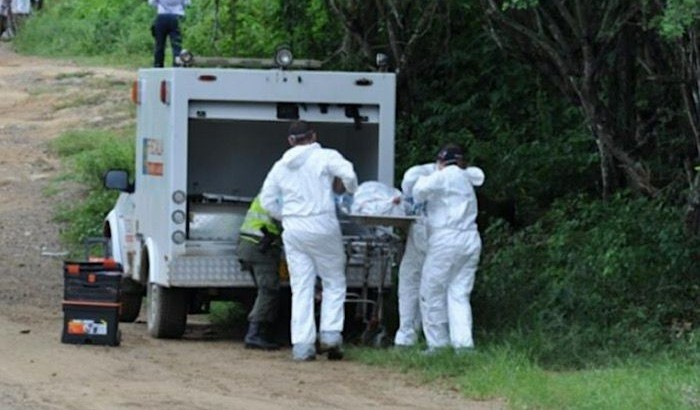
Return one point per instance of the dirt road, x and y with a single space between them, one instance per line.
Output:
39 99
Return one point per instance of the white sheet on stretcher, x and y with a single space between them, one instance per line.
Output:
376 198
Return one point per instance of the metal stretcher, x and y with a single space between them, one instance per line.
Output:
373 249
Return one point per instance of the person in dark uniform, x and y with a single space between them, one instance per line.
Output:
167 23
259 250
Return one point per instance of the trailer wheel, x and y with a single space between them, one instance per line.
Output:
167 311
130 299
130 307
376 337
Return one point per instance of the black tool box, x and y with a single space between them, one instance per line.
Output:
91 302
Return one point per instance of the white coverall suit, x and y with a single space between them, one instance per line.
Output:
298 191
412 263
454 246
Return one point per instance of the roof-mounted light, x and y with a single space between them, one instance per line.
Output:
283 56
186 58
382 61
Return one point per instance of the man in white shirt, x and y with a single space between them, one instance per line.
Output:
167 23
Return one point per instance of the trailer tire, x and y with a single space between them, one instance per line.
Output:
167 311
130 298
130 307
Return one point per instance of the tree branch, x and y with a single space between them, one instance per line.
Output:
550 51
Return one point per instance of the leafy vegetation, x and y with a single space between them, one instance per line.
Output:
114 30
89 154
75 28
594 281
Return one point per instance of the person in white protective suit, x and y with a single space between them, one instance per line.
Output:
412 261
298 191
454 247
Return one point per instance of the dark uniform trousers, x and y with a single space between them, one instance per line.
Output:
164 26
265 269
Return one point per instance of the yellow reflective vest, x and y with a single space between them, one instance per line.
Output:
255 219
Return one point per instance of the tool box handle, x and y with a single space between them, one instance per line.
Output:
98 240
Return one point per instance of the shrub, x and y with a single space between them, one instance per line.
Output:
89 155
591 281
99 27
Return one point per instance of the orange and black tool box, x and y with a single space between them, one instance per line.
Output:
91 302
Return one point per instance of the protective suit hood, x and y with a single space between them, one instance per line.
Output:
296 156
451 200
475 175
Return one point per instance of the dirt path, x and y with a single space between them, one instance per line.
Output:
39 99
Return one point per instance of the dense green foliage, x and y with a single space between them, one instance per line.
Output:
534 146
255 28
590 281
76 28
567 278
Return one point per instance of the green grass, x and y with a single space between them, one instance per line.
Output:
226 314
502 373
228 319
79 101
88 154
79 74
98 32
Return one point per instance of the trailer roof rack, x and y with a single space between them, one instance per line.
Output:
240 62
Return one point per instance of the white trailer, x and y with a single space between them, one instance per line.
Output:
205 140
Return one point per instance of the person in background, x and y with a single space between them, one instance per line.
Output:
298 190
454 247
412 261
12 15
5 19
259 250
167 23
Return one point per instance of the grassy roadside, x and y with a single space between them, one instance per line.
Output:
499 372
103 33
87 155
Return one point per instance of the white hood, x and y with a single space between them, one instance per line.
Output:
450 197
297 156
475 175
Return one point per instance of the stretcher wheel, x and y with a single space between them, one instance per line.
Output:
375 337
335 354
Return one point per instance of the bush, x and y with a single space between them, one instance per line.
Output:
591 281
99 27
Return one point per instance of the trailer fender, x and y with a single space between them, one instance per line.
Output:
111 230
155 271
118 226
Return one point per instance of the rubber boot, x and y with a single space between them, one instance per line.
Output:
303 352
257 337
332 344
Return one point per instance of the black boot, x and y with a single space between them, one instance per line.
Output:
257 337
